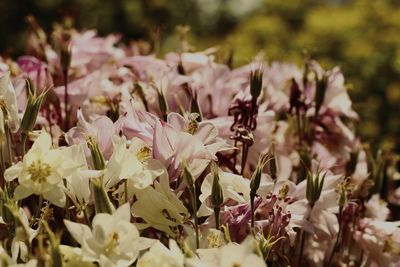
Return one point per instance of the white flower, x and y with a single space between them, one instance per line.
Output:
113 240
234 187
159 207
230 255
77 183
159 255
8 105
41 172
132 162
73 256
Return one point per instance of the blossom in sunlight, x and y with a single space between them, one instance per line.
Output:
185 139
132 162
112 241
41 171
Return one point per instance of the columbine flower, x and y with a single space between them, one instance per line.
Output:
132 162
8 105
234 187
322 215
112 241
41 172
159 207
160 255
101 129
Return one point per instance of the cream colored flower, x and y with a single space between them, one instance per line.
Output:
161 256
112 241
41 171
131 160
159 207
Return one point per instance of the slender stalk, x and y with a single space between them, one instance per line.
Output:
24 137
192 190
252 197
126 191
302 243
3 167
66 109
245 152
86 215
335 246
9 143
217 218
38 210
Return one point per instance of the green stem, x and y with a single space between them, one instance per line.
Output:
102 202
217 218
24 137
335 246
302 240
38 210
66 119
9 144
252 197
192 190
126 191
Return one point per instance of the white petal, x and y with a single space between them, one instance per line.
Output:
78 231
56 196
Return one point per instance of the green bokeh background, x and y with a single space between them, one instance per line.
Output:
361 36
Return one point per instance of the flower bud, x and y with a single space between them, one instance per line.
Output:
97 156
320 93
102 202
314 187
162 103
273 168
256 177
187 176
32 109
217 195
256 80
65 56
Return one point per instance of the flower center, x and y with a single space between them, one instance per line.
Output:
112 242
193 124
283 191
3 105
144 154
39 171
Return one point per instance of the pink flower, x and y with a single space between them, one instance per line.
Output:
101 129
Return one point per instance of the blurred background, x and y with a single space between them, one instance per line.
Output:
361 36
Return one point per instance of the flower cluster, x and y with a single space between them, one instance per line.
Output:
112 156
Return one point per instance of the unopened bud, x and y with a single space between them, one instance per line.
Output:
256 177
97 156
32 109
102 201
65 56
187 176
217 195
320 93
273 168
314 187
256 80
162 102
